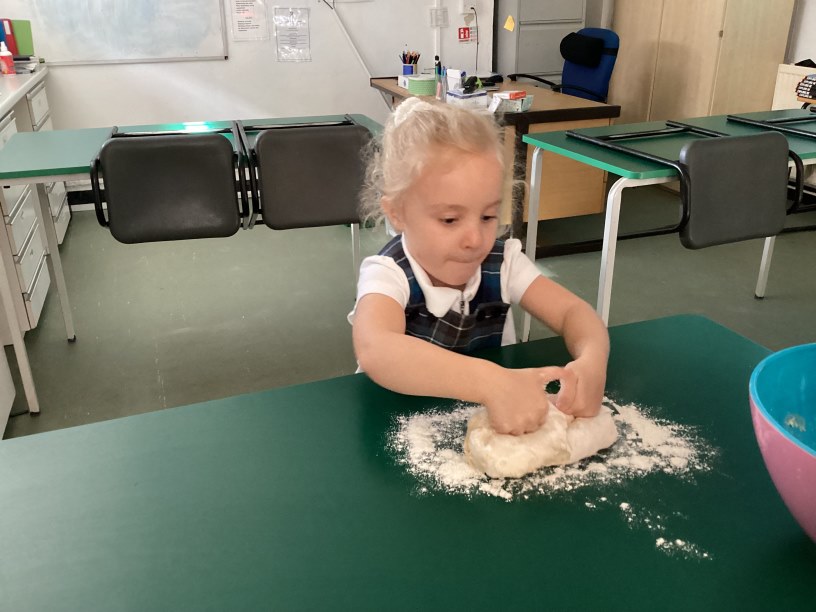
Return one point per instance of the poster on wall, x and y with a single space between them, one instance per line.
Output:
292 34
249 20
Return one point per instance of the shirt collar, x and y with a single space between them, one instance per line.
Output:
439 300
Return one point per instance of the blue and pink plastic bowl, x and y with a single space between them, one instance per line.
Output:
783 408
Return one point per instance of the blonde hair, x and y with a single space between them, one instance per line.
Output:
412 134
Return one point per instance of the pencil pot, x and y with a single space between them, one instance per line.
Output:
783 409
409 68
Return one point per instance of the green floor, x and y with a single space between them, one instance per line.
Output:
169 324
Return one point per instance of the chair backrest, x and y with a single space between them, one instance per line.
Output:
170 187
588 63
737 188
310 176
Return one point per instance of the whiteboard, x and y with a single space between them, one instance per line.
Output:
123 31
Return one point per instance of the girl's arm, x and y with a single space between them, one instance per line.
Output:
586 338
515 399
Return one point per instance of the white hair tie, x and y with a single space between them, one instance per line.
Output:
407 107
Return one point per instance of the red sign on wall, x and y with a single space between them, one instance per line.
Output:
464 34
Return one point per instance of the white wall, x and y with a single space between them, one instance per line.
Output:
803 32
252 84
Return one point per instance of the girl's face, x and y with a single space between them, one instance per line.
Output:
449 216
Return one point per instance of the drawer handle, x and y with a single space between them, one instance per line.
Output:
38 127
18 207
29 292
26 243
33 93
62 207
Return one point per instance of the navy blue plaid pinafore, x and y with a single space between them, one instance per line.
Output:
482 328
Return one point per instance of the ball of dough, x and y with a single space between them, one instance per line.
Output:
562 439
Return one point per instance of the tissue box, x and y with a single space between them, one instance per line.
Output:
501 104
457 97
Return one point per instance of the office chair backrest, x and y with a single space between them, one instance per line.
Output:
310 176
589 57
737 188
171 187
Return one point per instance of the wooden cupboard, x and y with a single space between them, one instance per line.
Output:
689 58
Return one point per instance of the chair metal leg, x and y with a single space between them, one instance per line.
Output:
355 251
532 226
765 267
19 345
54 261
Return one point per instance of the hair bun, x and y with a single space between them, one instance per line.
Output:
409 106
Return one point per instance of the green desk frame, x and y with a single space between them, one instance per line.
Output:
291 499
636 172
67 155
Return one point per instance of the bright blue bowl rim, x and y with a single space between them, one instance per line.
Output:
752 388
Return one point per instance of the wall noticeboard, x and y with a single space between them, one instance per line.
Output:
123 31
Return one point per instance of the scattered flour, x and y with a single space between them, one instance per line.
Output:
429 445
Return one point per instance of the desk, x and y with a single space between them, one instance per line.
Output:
635 172
290 499
571 189
64 155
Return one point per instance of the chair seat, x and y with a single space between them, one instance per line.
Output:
170 187
310 176
737 188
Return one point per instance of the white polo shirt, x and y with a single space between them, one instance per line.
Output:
380 274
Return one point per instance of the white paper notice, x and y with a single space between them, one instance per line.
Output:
249 20
292 34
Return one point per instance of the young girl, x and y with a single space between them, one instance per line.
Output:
443 287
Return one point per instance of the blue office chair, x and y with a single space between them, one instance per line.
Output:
589 57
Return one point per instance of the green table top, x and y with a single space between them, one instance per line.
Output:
291 499
51 153
62 152
667 146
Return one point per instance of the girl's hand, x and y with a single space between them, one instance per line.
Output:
582 387
518 402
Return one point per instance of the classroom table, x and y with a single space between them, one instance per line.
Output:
67 155
293 499
574 192
637 172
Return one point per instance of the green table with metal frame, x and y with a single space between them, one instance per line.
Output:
636 172
67 155
291 499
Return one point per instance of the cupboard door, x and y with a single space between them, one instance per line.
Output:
637 23
690 36
755 35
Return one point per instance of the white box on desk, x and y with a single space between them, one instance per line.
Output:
477 99
402 80
499 104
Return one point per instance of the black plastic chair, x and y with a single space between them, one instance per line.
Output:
307 175
589 58
172 186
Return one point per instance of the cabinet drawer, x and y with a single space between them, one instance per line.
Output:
62 220
35 297
8 128
38 104
46 125
56 194
11 195
29 257
552 10
20 222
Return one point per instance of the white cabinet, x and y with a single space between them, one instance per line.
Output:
22 244
533 46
